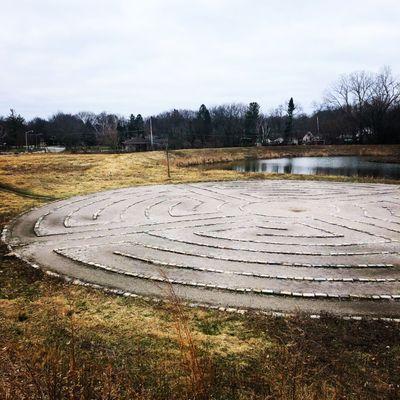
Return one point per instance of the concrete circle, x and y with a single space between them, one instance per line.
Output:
271 245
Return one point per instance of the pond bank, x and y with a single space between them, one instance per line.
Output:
192 157
351 166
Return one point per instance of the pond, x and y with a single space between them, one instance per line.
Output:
344 166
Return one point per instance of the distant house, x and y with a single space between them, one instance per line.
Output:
137 144
359 136
144 144
278 141
309 138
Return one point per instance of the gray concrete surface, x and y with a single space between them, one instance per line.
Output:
273 245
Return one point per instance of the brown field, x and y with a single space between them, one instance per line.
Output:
59 341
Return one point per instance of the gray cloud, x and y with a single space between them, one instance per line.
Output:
148 56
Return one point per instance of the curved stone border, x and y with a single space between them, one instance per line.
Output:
243 311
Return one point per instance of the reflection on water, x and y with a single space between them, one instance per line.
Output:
347 166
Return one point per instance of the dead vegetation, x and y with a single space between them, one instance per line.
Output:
66 342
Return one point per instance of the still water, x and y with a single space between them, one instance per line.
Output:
345 166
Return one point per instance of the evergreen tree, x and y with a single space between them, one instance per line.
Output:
289 123
122 130
139 125
15 128
251 119
131 127
204 124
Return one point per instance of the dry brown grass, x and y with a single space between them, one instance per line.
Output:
65 175
65 342
59 341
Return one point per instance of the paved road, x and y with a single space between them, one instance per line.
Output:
273 245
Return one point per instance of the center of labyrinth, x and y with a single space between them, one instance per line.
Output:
271 245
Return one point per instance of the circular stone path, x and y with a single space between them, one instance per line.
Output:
272 245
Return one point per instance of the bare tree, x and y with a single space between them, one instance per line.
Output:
385 96
105 126
365 98
110 136
351 94
87 117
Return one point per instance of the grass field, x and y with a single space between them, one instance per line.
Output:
59 341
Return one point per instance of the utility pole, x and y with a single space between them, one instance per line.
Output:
317 125
26 139
151 134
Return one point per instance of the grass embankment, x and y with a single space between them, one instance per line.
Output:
64 342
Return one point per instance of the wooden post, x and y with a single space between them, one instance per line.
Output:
167 154
151 134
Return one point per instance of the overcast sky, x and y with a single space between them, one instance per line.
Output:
148 56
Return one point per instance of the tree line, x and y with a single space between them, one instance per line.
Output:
361 107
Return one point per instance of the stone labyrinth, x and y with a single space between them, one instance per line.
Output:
272 245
